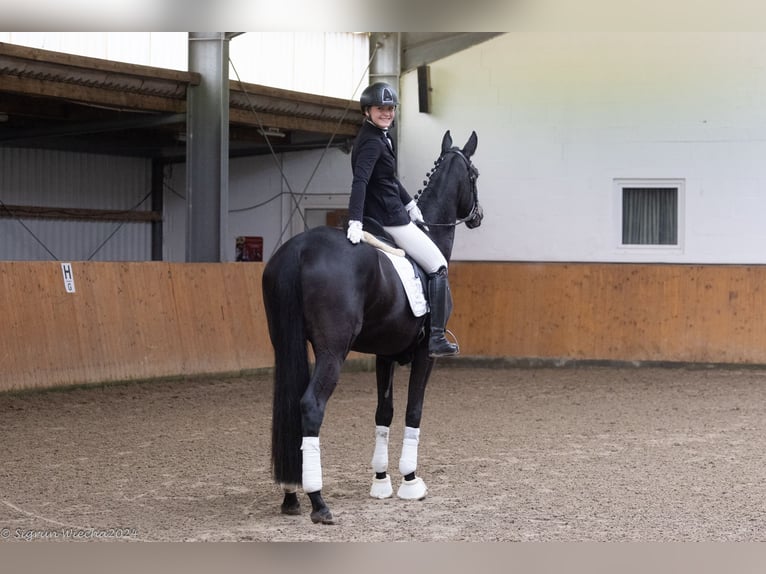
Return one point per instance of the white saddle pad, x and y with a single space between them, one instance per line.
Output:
411 282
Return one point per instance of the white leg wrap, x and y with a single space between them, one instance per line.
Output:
380 456
409 459
381 487
312 464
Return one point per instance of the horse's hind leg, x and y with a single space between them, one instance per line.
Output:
323 382
381 482
290 504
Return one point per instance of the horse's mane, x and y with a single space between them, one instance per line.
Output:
428 182
436 176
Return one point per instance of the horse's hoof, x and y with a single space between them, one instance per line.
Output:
324 516
381 488
290 504
414 489
291 509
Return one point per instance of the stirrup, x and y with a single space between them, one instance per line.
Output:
445 348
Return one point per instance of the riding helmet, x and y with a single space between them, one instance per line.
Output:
378 94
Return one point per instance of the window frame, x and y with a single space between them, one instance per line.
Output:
620 184
319 202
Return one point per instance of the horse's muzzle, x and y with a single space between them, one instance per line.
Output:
475 221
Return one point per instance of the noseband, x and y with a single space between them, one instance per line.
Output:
474 217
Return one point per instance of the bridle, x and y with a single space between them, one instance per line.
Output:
473 173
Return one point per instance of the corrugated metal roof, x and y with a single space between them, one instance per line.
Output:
91 75
62 101
293 110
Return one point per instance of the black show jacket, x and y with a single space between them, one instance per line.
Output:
375 190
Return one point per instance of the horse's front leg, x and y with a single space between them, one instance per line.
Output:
412 486
313 403
381 482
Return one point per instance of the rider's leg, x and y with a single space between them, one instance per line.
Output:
420 247
441 304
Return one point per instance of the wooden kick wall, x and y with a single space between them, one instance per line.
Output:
612 312
129 321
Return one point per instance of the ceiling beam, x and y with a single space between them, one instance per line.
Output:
85 128
419 49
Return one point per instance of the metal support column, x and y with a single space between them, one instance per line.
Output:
207 148
158 191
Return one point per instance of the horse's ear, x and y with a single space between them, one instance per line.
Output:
446 141
470 146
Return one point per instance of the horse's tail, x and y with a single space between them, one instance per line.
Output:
283 297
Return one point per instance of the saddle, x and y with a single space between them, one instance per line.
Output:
374 227
412 275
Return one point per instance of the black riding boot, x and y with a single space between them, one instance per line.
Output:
441 306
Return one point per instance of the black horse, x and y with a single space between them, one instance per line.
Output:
340 297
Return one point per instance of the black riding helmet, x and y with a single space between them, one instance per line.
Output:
378 94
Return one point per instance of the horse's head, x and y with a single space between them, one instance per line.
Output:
469 209
454 197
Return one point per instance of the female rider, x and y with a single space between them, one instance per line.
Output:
376 192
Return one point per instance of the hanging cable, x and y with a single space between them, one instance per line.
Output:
28 230
298 199
257 205
45 247
263 130
173 190
116 229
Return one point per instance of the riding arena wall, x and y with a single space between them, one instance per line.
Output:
146 320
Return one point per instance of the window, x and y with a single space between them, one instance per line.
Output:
650 212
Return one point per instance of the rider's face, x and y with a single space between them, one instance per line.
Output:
381 116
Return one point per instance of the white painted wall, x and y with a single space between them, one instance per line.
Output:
560 115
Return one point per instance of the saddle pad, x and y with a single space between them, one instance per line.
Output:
411 283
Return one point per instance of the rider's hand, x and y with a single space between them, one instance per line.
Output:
414 212
354 233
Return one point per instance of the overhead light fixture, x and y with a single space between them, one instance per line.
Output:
272 133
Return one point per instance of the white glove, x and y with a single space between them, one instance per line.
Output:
414 211
354 232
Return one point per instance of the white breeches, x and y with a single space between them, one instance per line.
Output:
418 246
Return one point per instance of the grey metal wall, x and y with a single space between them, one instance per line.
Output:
42 178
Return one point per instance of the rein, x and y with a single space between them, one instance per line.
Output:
473 173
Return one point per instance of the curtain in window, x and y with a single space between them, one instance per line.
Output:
650 216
